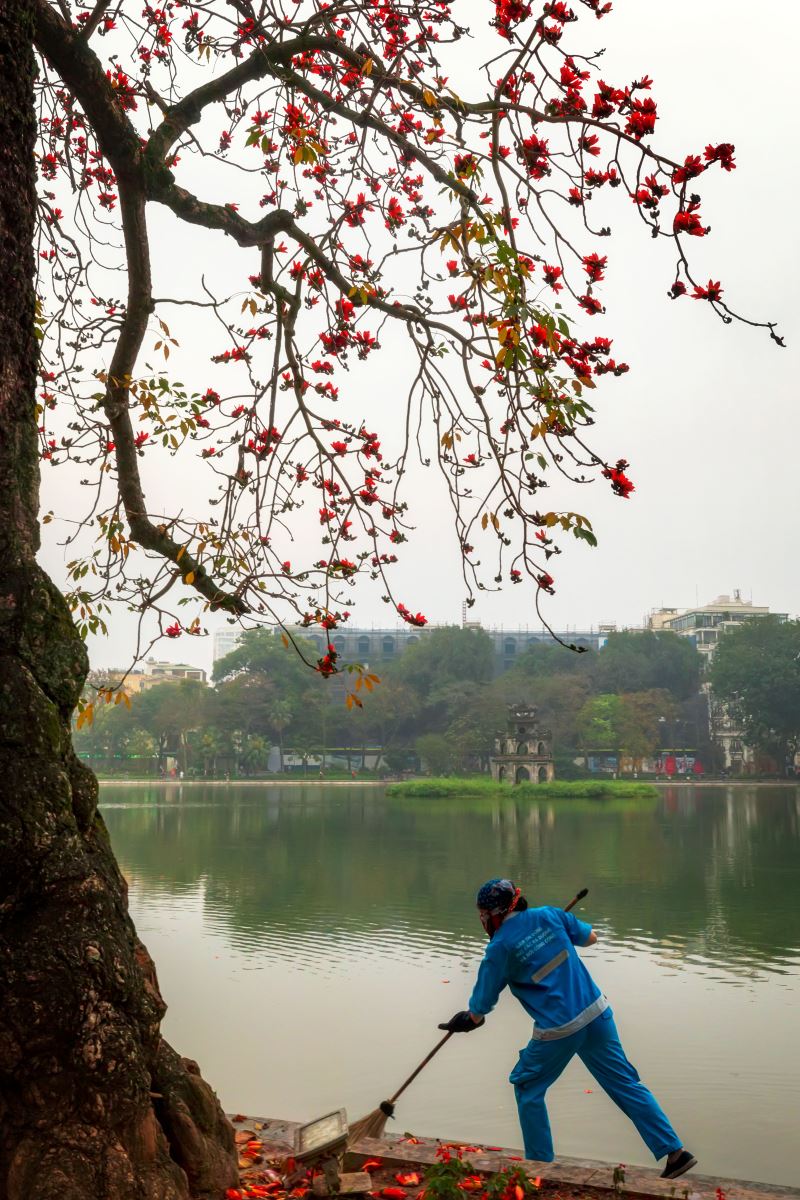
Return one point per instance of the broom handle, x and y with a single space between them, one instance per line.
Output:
424 1063
583 892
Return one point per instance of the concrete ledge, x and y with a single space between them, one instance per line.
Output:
588 1176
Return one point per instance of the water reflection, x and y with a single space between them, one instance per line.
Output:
708 875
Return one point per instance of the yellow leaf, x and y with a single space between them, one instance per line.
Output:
285 641
366 69
86 717
189 578
428 97
180 554
484 520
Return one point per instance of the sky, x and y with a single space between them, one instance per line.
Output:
708 415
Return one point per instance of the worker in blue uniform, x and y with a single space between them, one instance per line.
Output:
532 951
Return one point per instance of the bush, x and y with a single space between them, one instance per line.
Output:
479 785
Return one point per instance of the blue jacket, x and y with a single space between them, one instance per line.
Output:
533 953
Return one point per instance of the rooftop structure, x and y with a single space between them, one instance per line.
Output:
705 624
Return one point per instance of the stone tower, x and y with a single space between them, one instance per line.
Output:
524 753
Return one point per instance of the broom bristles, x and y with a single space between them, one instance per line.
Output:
372 1125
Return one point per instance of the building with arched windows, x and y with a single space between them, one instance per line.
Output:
375 646
524 752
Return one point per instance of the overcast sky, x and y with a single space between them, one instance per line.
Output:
708 416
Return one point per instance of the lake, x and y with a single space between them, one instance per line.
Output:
309 939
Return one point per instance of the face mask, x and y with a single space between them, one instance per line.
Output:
491 922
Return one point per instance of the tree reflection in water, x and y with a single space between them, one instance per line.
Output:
701 873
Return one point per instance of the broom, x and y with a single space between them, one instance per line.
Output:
374 1124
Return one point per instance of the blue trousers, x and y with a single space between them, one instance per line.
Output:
599 1047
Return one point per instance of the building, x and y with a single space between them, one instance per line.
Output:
225 640
378 645
111 677
703 626
156 672
524 753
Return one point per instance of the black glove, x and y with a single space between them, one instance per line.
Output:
462 1022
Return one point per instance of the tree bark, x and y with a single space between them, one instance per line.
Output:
93 1102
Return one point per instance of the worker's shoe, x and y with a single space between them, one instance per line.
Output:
678 1163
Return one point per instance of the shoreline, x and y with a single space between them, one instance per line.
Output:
383 783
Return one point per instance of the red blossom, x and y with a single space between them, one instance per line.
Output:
395 216
692 167
712 291
620 484
688 221
723 154
591 304
595 266
552 275
411 618
173 631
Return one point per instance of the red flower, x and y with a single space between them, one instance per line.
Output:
688 221
712 291
723 154
395 217
173 631
339 447
692 167
411 618
552 276
141 438
620 484
535 156
595 266
591 304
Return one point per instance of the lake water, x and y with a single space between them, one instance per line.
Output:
309 939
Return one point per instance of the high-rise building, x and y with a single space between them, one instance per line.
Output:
225 640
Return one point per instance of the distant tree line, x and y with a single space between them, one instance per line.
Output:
438 700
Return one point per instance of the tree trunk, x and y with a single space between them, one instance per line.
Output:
93 1102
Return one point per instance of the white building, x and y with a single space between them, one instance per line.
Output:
225 640
704 625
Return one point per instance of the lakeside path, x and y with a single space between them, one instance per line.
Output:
569 1178
378 783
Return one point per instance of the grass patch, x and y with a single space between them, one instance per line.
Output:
479 785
